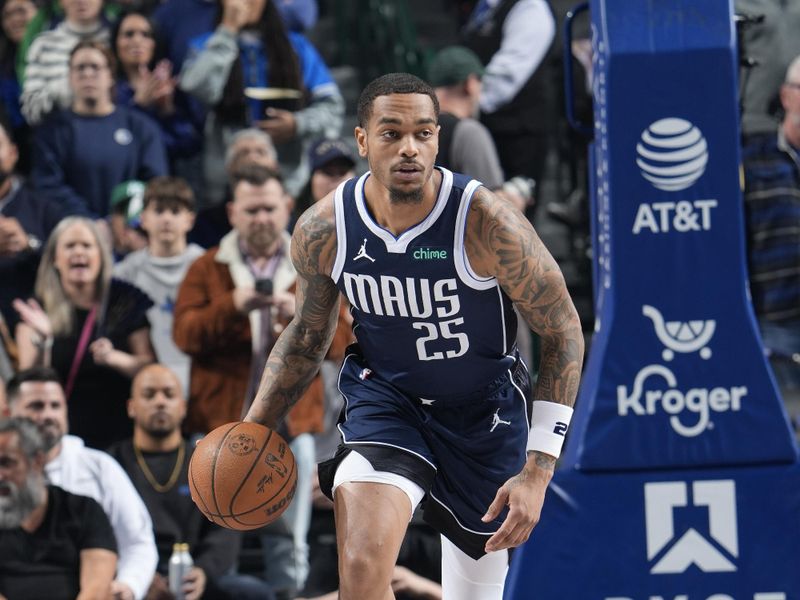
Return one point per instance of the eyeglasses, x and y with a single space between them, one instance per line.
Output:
130 33
92 67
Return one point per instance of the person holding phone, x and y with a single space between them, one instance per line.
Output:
248 57
233 304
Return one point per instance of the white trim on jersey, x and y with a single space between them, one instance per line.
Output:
341 233
503 319
398 245
463 268
455 518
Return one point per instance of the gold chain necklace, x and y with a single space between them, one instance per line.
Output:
148 474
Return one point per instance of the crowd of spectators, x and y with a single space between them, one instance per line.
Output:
154 157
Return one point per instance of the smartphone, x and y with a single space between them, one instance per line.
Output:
264 286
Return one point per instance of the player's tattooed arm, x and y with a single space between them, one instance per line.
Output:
501 242
301 348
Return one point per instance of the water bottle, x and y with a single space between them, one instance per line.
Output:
179 565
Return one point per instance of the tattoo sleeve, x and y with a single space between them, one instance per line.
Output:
501 242
299 351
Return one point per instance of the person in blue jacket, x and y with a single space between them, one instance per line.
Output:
250 48
81 153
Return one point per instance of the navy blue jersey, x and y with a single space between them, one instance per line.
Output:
423 319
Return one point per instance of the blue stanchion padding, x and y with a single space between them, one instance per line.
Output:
676 376
721 534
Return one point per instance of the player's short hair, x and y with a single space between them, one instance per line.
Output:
36 374
169 192
392 83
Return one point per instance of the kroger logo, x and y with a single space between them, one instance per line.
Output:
689 410
672 154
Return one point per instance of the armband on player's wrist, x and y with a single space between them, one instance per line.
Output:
549 425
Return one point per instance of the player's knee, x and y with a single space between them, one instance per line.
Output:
362 572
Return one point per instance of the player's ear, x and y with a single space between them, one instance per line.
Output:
361 140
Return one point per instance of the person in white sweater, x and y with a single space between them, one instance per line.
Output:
37 394
167 215
46 81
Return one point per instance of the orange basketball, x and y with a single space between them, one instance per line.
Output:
242 475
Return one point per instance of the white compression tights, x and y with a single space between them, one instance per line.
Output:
464 578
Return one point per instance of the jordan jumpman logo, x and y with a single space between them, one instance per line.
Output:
362 253
496 420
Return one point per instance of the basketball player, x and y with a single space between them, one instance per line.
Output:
431 263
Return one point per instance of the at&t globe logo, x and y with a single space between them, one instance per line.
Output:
672 154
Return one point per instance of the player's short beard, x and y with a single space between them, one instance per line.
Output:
405 197
21 501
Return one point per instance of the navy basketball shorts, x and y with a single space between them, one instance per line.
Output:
459 450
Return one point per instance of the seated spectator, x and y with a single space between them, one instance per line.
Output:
234 302
91 328
157 461
26 220
16 14
251 49
147 84
54 545
248 146
772 219
36 394
46 84
159 269
124 218
83 152
331 162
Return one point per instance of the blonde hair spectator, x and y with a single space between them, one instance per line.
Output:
49 288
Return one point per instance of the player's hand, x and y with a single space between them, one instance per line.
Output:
121 591
246 299
524 496
281 125
194 583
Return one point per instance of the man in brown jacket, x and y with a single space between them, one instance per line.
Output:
231 307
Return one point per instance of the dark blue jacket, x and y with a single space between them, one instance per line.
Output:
38 217
78 160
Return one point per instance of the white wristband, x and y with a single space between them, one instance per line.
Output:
549 425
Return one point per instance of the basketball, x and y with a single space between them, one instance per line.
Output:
242 475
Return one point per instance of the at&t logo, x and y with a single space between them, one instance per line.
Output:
672 154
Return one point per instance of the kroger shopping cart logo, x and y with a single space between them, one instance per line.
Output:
672 154
669 553
656 390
